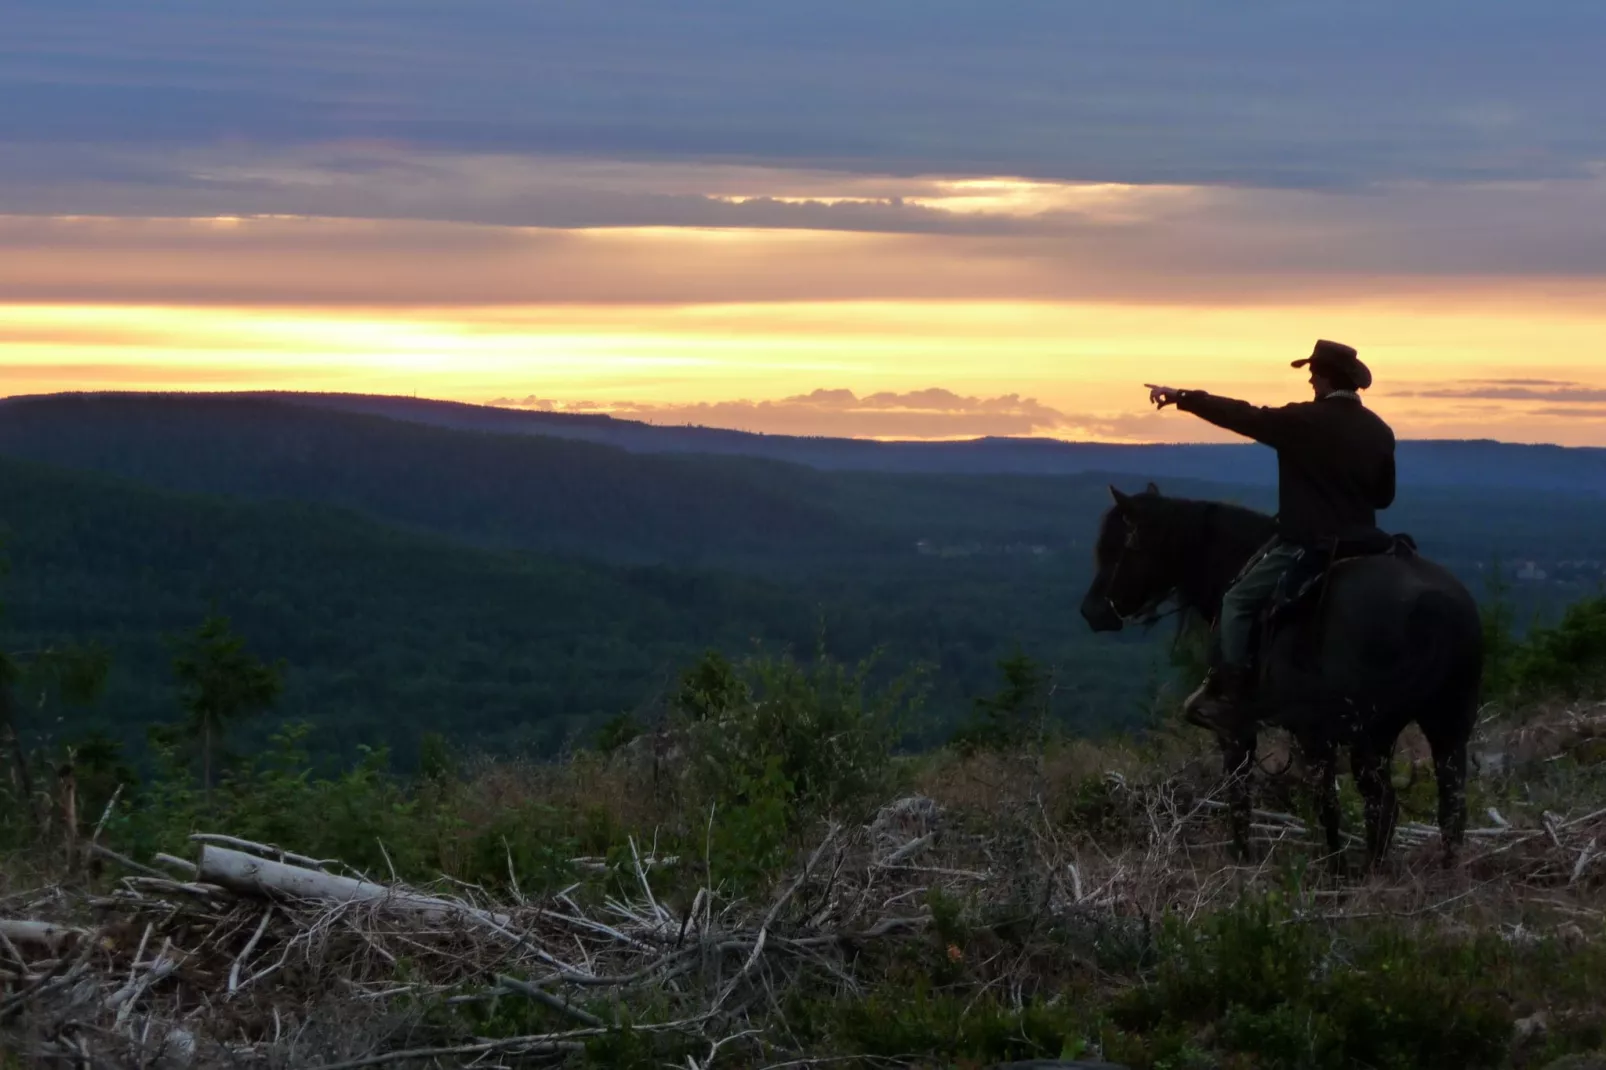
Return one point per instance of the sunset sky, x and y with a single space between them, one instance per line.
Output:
880 218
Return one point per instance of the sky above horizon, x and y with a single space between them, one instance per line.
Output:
877 218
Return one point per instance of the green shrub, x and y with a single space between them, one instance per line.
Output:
1569 657
616 732
772 747
919 1019
1017 713
1298 993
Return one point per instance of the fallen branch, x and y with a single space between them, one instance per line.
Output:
240 959
124 861
37 933
246 874
547 999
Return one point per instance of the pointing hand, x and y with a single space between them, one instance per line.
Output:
1162 395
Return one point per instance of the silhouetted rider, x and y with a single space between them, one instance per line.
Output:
1335 468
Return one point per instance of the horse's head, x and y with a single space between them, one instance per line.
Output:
1136 560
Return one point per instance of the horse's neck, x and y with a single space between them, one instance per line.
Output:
1220 553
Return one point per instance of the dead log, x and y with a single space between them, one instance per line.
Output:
246 874
37 933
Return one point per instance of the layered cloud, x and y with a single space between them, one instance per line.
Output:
932 413
936 240
1531 227
1521 390
936 413
1147 91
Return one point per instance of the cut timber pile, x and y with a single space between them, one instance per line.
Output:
252 955
245 954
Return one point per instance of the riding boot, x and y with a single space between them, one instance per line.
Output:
1219 702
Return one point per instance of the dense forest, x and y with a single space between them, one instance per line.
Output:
519 591
390 634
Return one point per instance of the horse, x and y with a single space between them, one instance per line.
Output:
1392 638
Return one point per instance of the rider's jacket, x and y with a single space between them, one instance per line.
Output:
1335 459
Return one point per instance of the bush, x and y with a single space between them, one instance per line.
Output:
1568 658
812 734
772 746
1013 716
1299 993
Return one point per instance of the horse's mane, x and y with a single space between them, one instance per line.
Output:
1189 516
1204 541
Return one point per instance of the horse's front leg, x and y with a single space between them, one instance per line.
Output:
1368 763
1323 756
1237 760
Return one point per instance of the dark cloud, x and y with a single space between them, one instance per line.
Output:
378 182
1568 414
1298 94
1536 228
1551 390
1527 382
1202 253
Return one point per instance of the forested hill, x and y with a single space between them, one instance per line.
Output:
526 491
389 634
606 503
1470 464
515 589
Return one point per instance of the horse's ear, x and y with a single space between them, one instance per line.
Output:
1122 501
1151 489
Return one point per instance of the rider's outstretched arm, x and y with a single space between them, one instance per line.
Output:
1273 427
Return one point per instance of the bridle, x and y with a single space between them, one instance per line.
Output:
1145 615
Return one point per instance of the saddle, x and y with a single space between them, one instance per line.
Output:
1312 566
1305 581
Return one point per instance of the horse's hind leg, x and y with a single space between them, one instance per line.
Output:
1367 761
1237 760
1450 771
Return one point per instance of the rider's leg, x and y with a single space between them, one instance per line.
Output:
1207 706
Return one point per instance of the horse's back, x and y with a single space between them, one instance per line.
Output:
1388 589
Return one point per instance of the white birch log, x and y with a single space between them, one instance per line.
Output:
36 933
247 874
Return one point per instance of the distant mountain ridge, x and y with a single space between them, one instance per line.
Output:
1422 462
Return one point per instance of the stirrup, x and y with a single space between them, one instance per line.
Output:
1219 702
1222 718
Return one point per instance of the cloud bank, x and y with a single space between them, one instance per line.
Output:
932 413
1521 390
1149 91
1535 226
1183 245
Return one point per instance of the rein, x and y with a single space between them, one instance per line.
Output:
1146 616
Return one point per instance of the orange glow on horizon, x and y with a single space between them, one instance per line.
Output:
1084 361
